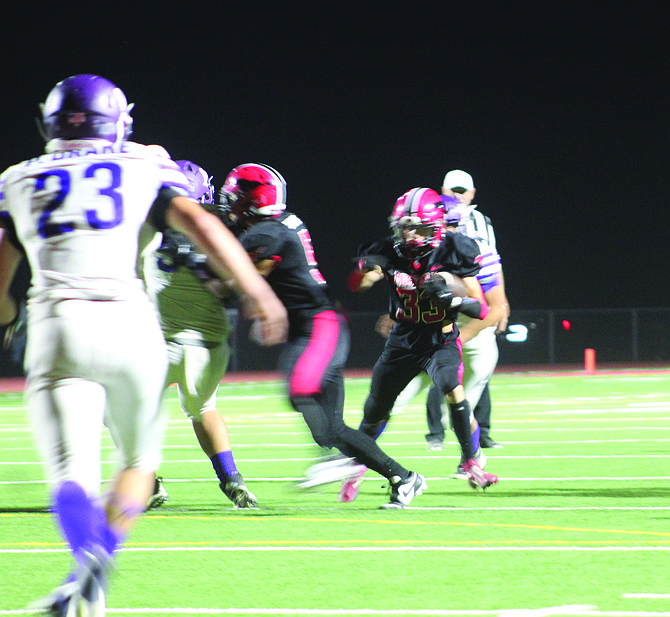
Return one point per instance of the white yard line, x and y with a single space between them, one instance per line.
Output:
355 549
377 479
579 610
421 457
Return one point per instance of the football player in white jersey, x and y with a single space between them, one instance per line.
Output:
196 326
94 343
479 363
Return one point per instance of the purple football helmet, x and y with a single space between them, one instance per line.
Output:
199 182
86 107
456 212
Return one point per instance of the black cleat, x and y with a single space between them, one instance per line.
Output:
236 490
159 496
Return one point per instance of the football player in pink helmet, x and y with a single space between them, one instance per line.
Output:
417 222
424 309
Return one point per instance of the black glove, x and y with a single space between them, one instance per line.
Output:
440 292
176 250
197 263
173 251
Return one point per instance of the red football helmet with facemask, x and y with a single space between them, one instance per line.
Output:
253 190
417 222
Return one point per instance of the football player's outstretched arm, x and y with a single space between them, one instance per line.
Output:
502 324
495 298
10 258
473 288
230 260
470 301
475 304
369 270
362 281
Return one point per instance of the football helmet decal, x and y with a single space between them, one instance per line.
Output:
417 222
200 185
253 190
86 107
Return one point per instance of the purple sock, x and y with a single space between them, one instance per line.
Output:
108 538
475 439
77 516
224 465
380 430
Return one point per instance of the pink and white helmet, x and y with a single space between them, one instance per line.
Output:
417 222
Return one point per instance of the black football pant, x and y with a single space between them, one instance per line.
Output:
396 367
434 401
483 412
314 365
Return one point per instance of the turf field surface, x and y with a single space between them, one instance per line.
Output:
579 524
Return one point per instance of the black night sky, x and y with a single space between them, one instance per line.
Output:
558 110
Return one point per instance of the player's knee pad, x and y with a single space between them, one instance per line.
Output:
194 405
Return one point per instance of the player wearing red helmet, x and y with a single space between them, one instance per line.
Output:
313 359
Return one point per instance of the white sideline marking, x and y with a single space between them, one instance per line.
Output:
107 443
347 549
527 429
543 508
578 610
430 478
385 443
274 460
182 432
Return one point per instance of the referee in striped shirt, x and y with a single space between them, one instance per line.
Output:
480 349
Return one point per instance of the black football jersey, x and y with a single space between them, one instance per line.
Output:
296 278
418 319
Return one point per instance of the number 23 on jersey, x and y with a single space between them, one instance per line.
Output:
54 186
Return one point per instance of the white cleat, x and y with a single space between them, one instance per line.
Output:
333 470
60 602
402 493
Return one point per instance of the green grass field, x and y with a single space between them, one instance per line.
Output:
579 524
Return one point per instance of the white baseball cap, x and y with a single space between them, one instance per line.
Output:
459 178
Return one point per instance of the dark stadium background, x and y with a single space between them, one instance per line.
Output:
559 111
